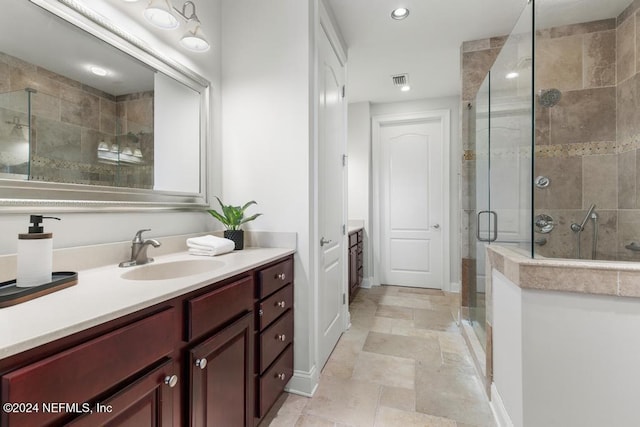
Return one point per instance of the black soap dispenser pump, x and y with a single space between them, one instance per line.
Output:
35 254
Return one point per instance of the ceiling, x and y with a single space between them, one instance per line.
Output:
426 45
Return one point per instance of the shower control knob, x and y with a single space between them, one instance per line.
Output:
544 223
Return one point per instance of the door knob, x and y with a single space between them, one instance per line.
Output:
436 226
323 241
171 380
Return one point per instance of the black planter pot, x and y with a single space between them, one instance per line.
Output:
237 236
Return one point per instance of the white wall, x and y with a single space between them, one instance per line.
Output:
357 153
359 165
267 91
102 227
578 356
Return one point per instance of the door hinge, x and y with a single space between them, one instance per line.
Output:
344 91
344 230
344 160
344 298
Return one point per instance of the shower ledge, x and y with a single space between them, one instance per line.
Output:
621 279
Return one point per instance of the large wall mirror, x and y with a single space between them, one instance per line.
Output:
90 116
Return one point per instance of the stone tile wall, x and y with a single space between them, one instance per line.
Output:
69 120
588 143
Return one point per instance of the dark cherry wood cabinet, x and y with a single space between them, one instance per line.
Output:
221 377
356 267
274 335
217 356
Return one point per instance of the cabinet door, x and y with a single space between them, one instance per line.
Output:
221 386
148 402
353 272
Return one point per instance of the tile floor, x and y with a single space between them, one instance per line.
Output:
402 363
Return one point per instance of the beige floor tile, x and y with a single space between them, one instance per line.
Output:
394 312
390 417
405 301
398 398
386 325
385 370
447 392
402 363
420 291
416 348
434 320
312 421
345 401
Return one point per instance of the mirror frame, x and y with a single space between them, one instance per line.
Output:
25 195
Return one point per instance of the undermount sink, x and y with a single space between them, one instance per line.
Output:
172 269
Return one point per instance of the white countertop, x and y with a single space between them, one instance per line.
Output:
102 295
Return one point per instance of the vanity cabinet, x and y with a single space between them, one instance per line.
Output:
274 334
356 267
70 382
217 356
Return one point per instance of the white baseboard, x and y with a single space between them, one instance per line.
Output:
367 282
455 287
499 411
303 383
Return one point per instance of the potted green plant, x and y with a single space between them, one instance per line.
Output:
232 217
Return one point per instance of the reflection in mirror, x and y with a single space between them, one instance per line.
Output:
77 110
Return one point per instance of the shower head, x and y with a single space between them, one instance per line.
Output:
549 97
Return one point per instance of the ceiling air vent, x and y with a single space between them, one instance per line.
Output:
400 80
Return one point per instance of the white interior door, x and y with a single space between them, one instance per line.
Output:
331 199
412 203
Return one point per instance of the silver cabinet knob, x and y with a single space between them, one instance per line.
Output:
171 380
281 276
281 337
281 304
201 363
281 377
436 226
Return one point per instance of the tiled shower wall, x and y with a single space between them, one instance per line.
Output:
588 143
70 119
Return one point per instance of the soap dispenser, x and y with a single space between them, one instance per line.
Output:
35 254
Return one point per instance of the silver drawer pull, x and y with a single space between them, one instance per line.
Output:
281 304
201 363
281 337
281 377
171 381
281 276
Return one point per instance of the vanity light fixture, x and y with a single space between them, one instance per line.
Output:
400 13
163 15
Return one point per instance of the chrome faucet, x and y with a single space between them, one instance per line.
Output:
139 250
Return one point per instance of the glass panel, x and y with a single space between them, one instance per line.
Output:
14 135
501 139
479 218
587 138
511 137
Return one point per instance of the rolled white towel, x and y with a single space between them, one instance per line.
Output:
210 245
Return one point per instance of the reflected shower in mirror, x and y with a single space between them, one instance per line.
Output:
76 110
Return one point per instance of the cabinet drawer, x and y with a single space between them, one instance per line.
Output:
213 309
274 306
353 239
273 381
273 278
82 372
274 339
148 402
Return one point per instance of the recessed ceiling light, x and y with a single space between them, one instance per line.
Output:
98 71
400 13
512 75
405 88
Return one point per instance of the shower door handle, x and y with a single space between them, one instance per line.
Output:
495 227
